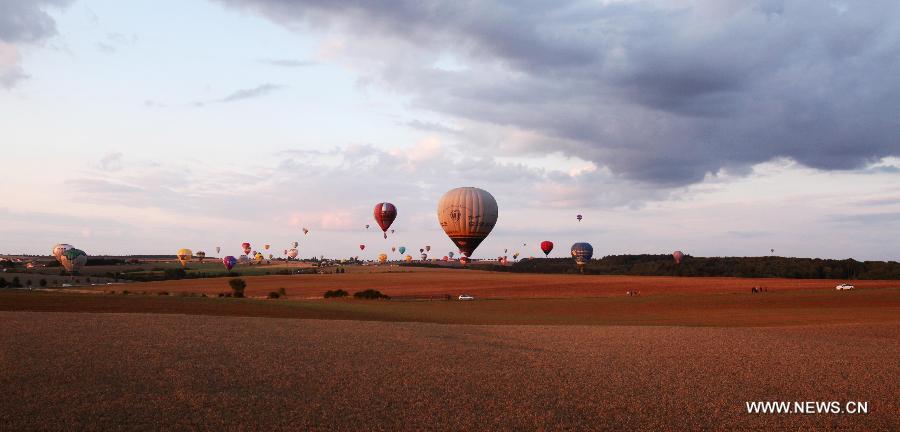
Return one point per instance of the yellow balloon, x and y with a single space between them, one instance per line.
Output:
382 257
184 256
467 215
408 258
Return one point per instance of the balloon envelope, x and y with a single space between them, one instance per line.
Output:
408 258
546 247
582 252
382 257
246 248
184 256
402 249
362 247
292 253
200 255
73 259
60 249
678 256
385 213
579 217
467 215
229 262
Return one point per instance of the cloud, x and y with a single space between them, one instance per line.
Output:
291 63
260 90
660 92
22 22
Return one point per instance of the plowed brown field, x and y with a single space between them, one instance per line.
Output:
425 282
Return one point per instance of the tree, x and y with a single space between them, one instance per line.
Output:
237 286
42 282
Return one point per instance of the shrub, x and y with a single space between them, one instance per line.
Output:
125 292
336 293
174 273
237 287
28 283
273 295
42 282
163 293
3 282
282 291
16 283
370 294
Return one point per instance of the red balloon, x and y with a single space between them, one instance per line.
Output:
678 255
385 213
546 247
362 247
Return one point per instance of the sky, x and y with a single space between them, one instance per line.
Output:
716 127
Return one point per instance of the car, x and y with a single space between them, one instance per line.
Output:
466 297
844 286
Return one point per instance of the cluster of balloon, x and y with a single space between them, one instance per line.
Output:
385 213
402 250
582 252
200 256
382 258
467 215
184 256
293 253
243 259
229 262
408 258
246 248
678 256
70 258
546 247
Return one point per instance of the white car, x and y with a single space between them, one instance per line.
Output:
466 297
844 286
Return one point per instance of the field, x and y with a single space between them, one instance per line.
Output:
533 352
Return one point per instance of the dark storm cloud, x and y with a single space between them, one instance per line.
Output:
657 92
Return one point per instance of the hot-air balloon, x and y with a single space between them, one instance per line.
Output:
219 249
392 231
60 249
382 258
367 226
271 256
579 217
402 250
229 262
259 257
678 256
393 249
200 256
73 259
504 261
546 247
305 231
246 248
516 256
463 260
385 213
772 250
450 254
408 258
424 257
445 258
467 215
243 259
362 247
421 250
505 250
266 247
427 248
295 244
582 252
293 253
184 256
